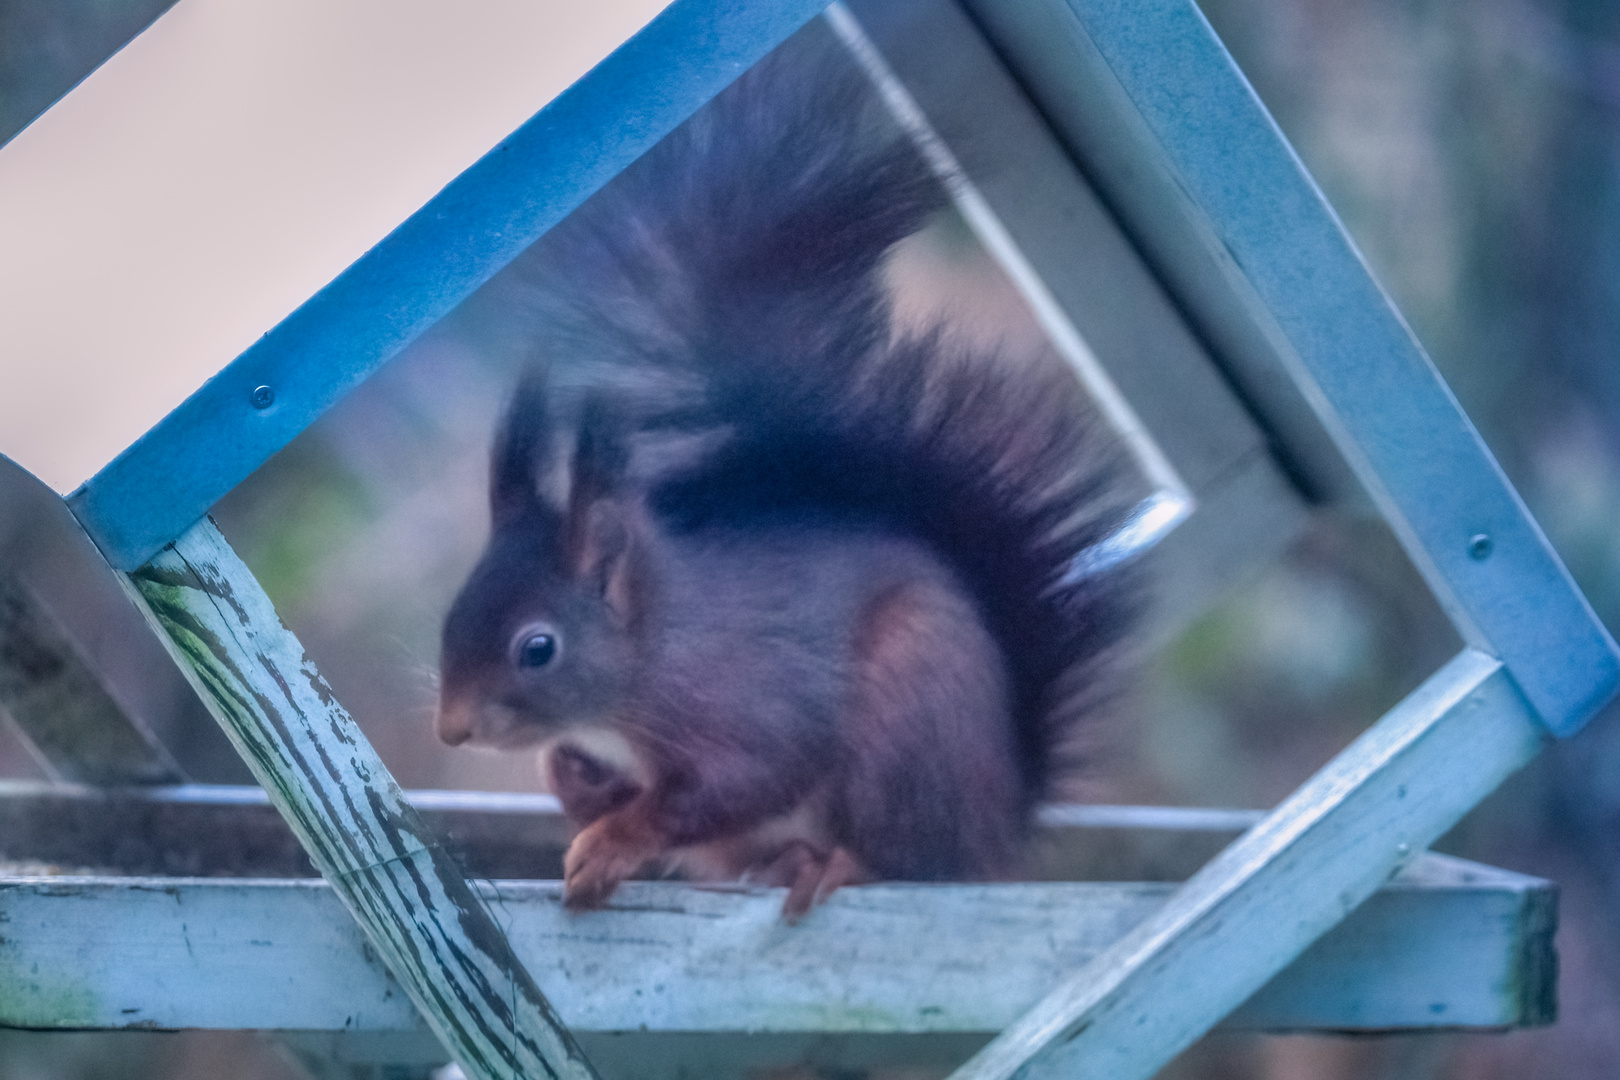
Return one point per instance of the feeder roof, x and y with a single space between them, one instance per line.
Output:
226 165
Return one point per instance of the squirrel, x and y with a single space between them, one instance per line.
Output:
782 591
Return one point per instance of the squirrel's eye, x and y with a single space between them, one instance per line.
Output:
536 650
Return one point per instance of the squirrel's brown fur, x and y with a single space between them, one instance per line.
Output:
782 590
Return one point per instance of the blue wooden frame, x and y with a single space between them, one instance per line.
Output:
167 480
1151 102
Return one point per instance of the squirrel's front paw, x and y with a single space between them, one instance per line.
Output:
603 854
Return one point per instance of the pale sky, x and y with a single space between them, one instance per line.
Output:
224 166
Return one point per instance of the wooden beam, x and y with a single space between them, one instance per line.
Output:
1260 903
1447 944
398 883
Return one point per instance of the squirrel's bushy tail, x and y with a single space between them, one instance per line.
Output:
731 280
745 246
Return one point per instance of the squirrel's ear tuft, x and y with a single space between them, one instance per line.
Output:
522 453
600 461
601 456
598 538
605 559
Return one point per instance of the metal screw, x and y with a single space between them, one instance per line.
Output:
263 397
1479 547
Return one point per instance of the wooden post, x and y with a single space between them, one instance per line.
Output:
430 928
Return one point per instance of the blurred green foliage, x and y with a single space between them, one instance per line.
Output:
293 519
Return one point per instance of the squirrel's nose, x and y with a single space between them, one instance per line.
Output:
453 724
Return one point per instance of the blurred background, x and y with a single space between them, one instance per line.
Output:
1473 151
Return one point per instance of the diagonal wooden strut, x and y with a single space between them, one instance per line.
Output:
1258 904
434 933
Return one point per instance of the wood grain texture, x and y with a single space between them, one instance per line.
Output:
410 898
1262 901
1446 944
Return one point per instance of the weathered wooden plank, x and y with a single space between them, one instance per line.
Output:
1262 901
61 707
407 894
1446 944
1438 909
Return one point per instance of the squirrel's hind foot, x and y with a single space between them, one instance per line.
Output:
810 874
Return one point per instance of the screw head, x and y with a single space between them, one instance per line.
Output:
1479 547
263 397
